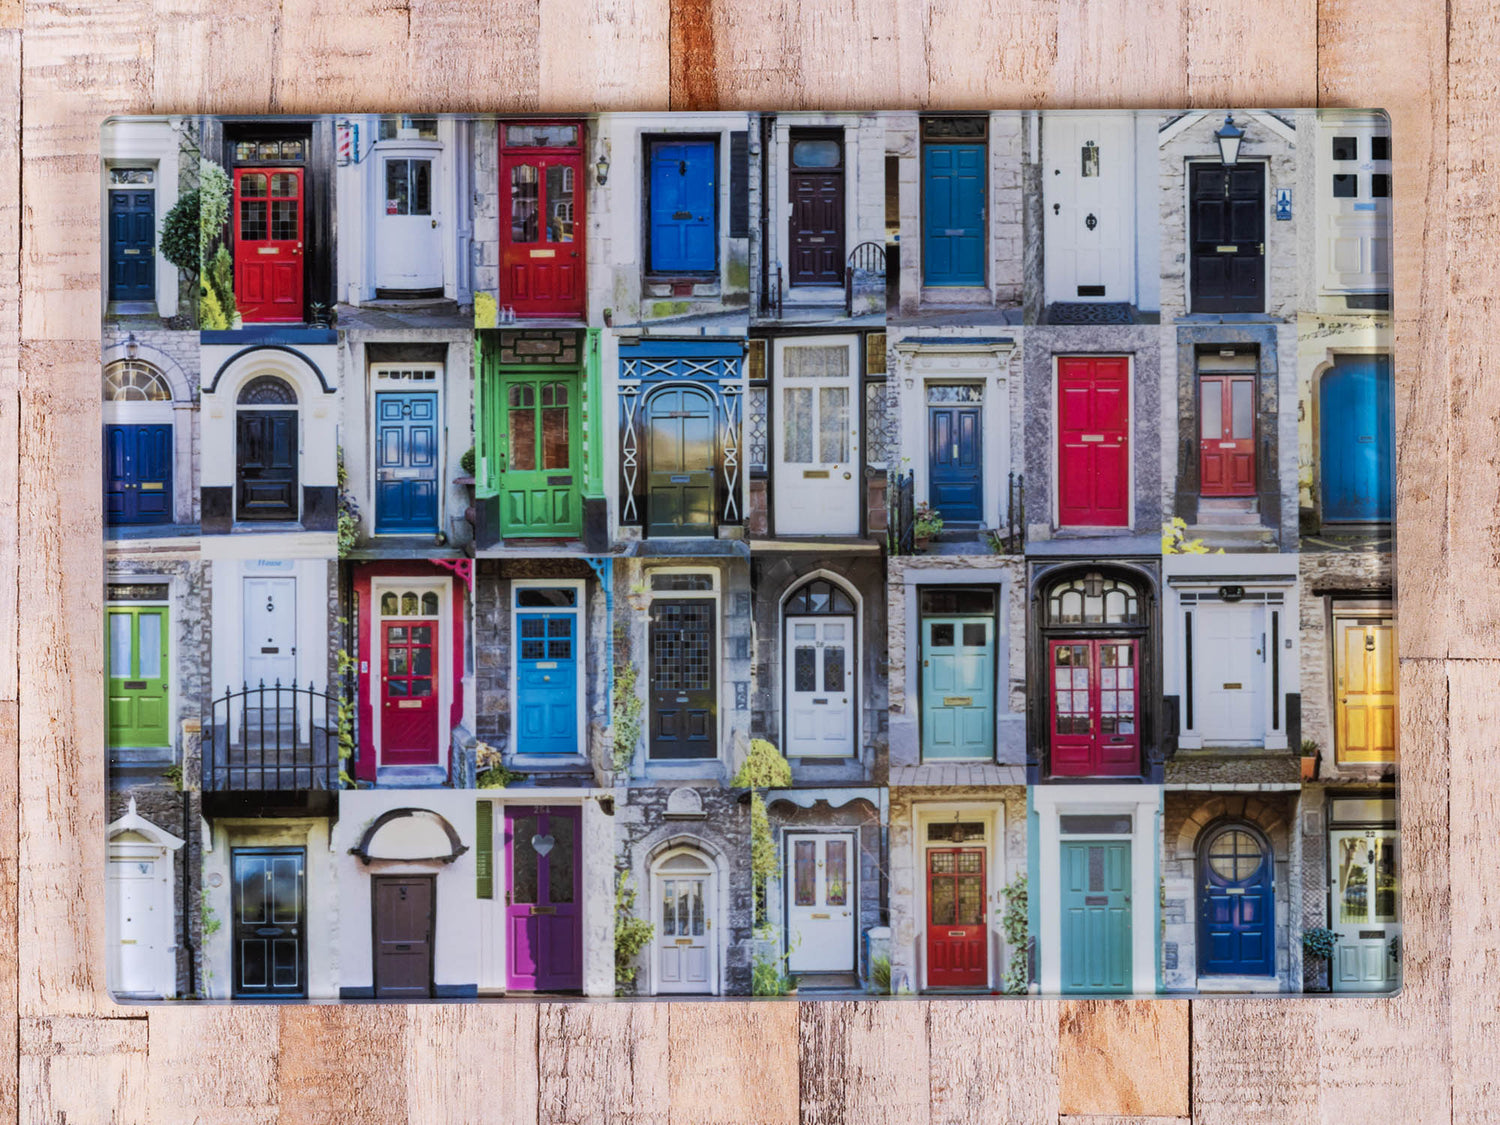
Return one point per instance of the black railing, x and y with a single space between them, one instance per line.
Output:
272 737
1015 514
867 257
902 518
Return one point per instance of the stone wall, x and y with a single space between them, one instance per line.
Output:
486 222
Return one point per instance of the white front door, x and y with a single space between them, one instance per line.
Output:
820 872
820 687
140 928
1366 909
408 243
684 926
1088 193
1229 667
1354 207
270 631
817 485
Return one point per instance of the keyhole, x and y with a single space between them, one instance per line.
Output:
1057 208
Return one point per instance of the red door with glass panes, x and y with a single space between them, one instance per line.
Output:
957 936
1226 428
1095 708
268 228
1093 441
408 694
542 228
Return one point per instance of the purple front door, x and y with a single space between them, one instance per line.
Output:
543 915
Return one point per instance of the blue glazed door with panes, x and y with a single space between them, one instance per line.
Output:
953 179
1235 905
957 465
1357 440
406 462
132 244
1096 923
547 683
683 202
138 474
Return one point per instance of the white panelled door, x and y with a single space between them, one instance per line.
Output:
270 631
685 960
821 924
1088 190
1229 671
820 687
817 484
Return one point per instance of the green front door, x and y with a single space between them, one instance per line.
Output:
137 669
1096 953
536 435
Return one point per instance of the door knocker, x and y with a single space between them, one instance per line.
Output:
1091 222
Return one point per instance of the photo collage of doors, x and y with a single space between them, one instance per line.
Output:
753 554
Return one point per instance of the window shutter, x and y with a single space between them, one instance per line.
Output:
484 849
739 184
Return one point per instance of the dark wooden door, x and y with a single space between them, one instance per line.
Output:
404 922
138 474
680 451
1228 238
1093 435
266 465
1226 442
817 198
684 705
269 931
132 245
957 936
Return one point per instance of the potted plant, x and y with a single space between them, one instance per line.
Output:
1317 950
1310 753
928 523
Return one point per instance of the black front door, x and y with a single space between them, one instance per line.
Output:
684 710
269 930
680 462
132 245
817 198
1228 238
403 906
266 465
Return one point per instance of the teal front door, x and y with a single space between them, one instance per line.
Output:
538 441
958 687
1096 952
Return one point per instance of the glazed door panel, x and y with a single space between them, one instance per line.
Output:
1093 433
956 463
683 701
1096 916
1227 238
680 455
1229 672
817 483
408 241
1356 440
1226 435
1236 906
540 440
821 922
547 684
266 465
1095 708
410 694
268 933
820 699
957 936
684 946
543 899
958 688
953 197
405 918
1365 688
1088 187
138 474
683 206
816 191
268 244
406 462
270 631
132 245
138 671
542 246
1366 909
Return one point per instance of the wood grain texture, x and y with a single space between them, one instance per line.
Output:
732 1068
866 1061
993 1061
79 1071
603 1063
1127 1056
483 1049
183 1091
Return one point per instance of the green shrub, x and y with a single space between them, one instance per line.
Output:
180 234
632 935
1016 922
880 975
466 462
1318 941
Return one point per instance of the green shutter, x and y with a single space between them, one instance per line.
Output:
484 850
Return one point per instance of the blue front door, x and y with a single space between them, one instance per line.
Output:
547 684
1096 922
958 688
138 474
953 214
1356 440
956 463
1236 909
132 245
406 462
683 201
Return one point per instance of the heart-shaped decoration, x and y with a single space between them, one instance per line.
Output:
542 844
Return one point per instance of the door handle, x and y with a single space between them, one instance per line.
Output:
434 224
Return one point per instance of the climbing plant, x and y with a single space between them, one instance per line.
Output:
1016 924
765 768
348 528
216 273
345 665
626 709
632 935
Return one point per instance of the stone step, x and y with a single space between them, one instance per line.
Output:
1234 539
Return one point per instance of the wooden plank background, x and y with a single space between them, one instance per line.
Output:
68 1056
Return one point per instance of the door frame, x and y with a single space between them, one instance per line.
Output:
167 603
427 877
847 137
443 643
158 213
715 594
159 847
961 581
579 612
1055 452
1280 674
581 200
1326 365
823 833
718 929
1264 162
986 216
856 379
992 814
856 655
411 148
381 381
1338 609
1200 863
928 406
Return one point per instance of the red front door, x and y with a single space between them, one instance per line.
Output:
1093 434
1095 689
542 230
409 694
957 937
1226 442
268 225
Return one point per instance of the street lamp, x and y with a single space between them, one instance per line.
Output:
602 168
1229 136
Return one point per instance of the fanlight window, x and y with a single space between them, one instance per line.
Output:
408 603
819 596
267 390
129 380
1094 600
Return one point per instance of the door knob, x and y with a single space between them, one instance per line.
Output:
434 224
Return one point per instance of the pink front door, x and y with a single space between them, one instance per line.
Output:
543 892
1095 688
409 693
1093 441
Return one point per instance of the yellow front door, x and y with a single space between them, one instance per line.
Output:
1365 691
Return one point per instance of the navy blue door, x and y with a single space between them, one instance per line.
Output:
1236 906
138 474
1357 439
956 463
406 461
953 181
132 245
547 684
683 200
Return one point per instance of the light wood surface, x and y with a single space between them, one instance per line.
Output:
68 1055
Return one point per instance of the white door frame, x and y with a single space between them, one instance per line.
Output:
712 911
443 643
156 846
580 650
854 470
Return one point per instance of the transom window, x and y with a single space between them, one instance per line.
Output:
267 390
408 603
1093 599
407 128
541 136
131 177
290 149
943 393
819 596
822 152
954 831
676 582
129 380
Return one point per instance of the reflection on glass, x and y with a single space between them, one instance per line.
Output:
1213 410
837 888
119 646
1241 409
560 860
805 872
797 425
149 658
523 860
833 424
559 203
524 200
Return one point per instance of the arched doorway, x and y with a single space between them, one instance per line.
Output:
266 450
1356 439
1236 902
820 655
684 954
681 453
138 444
